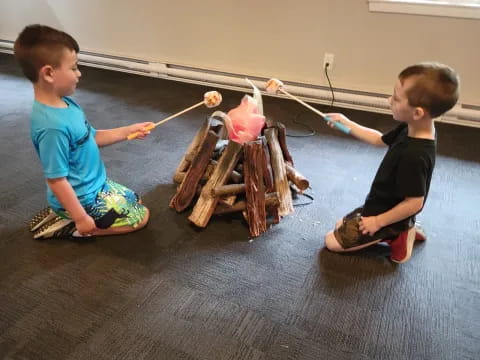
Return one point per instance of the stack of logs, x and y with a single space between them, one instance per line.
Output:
254 178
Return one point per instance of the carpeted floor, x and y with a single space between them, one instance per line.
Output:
171 291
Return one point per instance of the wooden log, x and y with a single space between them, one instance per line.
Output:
230 189
295 177
227 209
282 139
269 186
209 171
269 122
239 168
271 200
218 126
197 191
192 148
178 178
267 167
279 173
254 157
205 206
228 200
236 177
182 199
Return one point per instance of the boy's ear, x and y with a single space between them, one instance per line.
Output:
418 113
46 73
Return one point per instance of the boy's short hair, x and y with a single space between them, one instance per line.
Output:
435 87
40 45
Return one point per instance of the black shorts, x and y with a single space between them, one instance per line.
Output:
349 235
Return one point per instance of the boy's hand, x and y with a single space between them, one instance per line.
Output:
141 129
369 225
332 118
86 225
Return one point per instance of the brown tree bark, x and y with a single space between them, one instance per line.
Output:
206 203
279 173
182 199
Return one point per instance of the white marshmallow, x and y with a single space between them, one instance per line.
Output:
212 99
273 85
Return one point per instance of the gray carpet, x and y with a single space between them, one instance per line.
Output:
172 291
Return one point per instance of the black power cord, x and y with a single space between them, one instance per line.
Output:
312 133
329 83
296 194
295 120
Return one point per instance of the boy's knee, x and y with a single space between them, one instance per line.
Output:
332 244
339 223
144 220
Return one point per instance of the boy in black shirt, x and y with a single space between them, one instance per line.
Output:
422 92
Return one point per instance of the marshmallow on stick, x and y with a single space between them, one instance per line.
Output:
210 99
275 86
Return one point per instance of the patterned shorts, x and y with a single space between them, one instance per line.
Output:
115 205
349 235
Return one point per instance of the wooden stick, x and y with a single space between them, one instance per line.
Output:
282 140
282 90
268 178
279 173
338 125
298 179
230 189
179 176
192 149
271 200
151 127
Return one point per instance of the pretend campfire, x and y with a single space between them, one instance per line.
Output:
238 162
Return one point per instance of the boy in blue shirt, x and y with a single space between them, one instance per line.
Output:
421 93
84 201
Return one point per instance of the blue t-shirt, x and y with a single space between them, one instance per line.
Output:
65 144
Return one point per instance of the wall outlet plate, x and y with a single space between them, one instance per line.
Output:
328 59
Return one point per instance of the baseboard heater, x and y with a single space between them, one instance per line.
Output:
461 114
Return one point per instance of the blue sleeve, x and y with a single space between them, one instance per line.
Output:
53 150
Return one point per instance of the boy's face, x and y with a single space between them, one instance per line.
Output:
401 109
65 77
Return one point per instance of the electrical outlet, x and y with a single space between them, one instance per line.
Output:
328 59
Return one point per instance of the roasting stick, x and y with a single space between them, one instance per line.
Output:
211 99
274 86
151 127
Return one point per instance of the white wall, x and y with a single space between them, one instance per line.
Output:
283 39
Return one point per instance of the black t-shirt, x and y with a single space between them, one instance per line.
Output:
405 171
